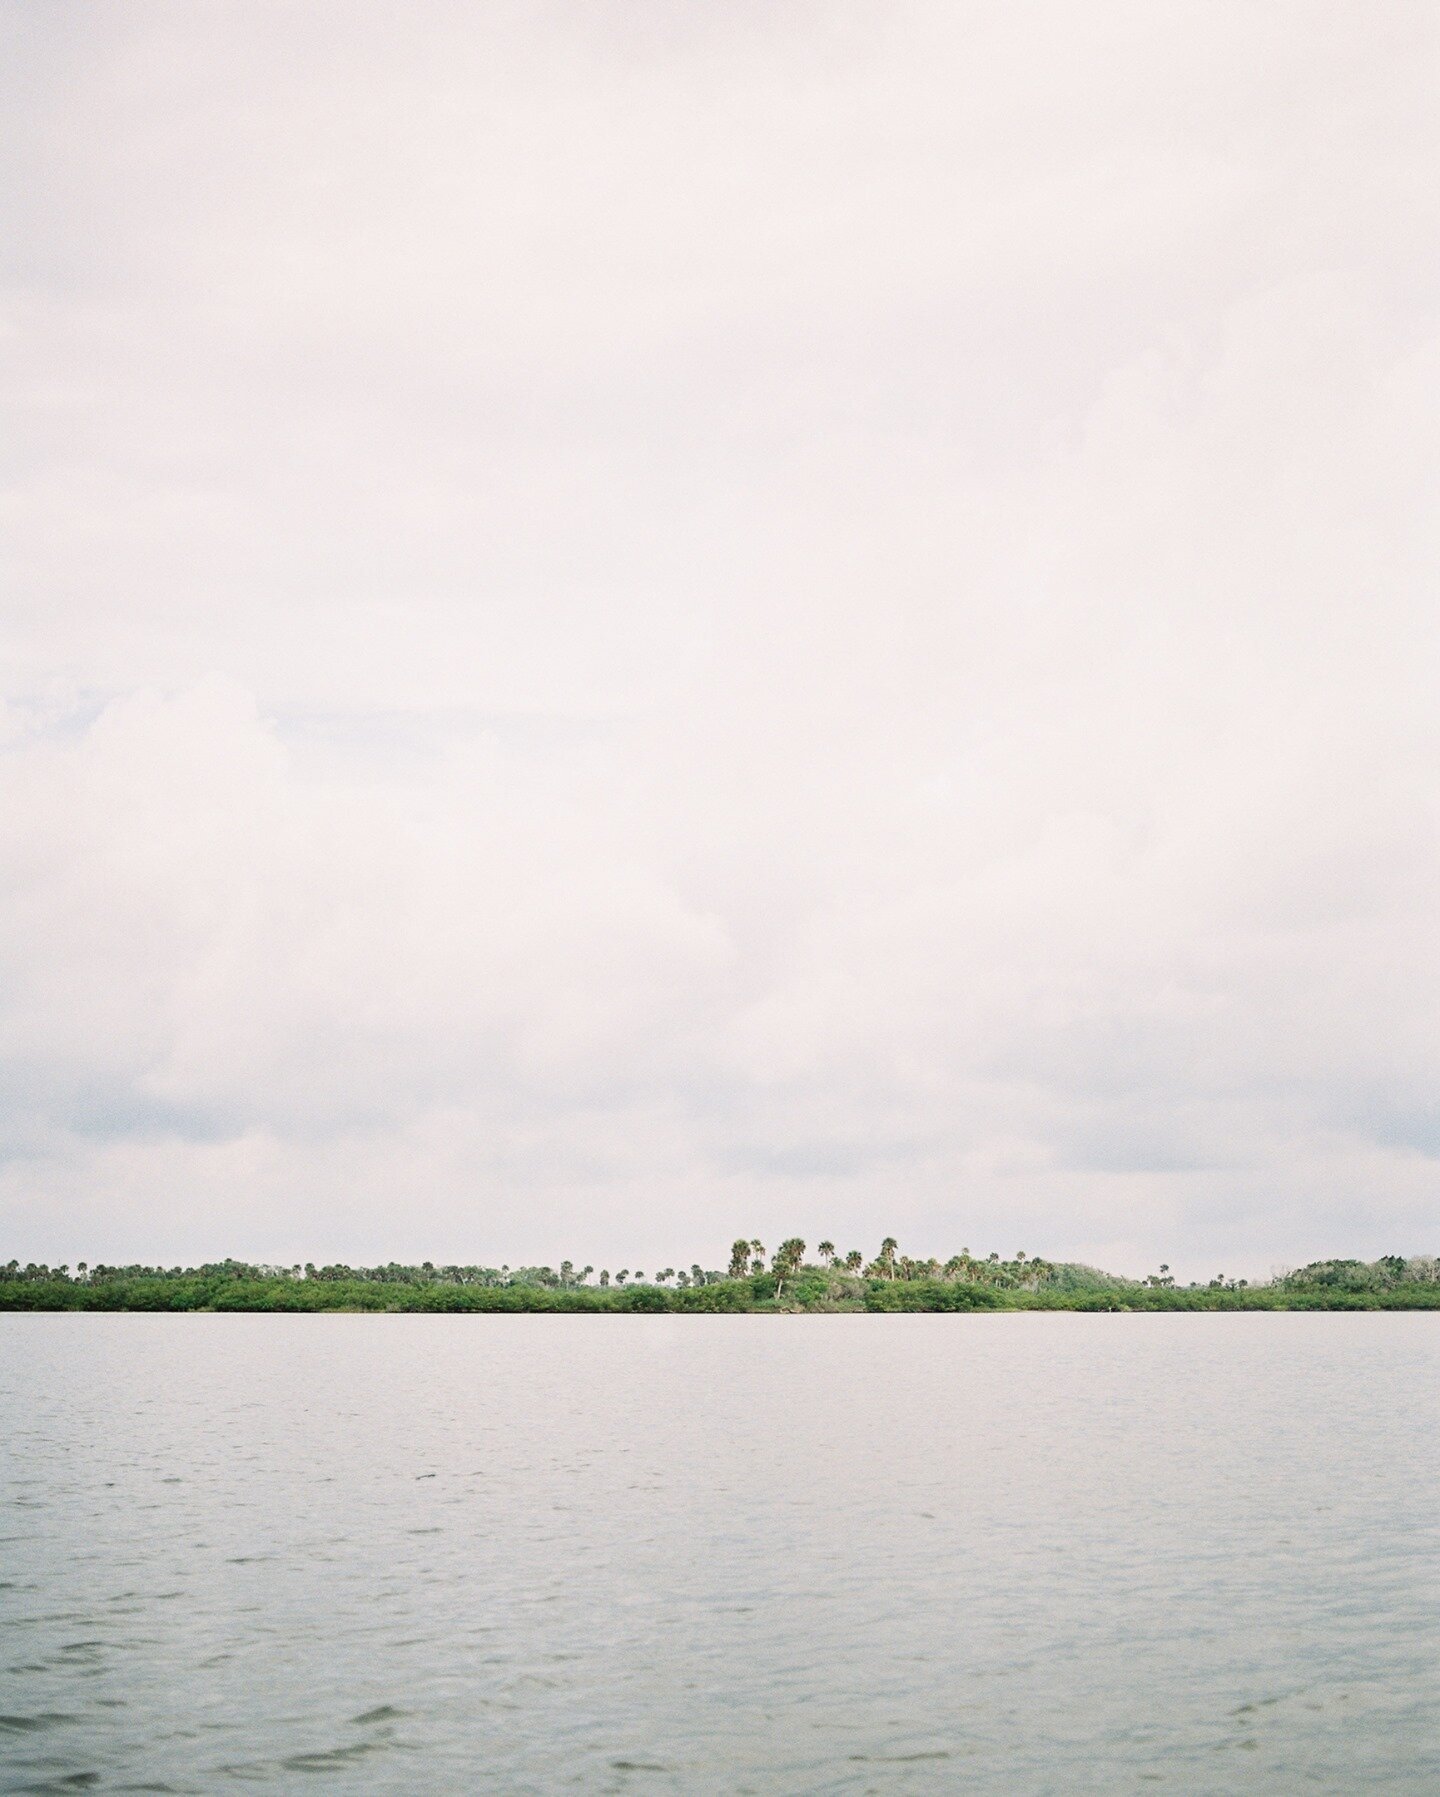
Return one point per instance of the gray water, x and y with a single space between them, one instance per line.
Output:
810 1554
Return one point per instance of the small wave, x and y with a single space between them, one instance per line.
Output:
65 1781
900 1759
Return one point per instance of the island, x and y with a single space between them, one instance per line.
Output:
783 1283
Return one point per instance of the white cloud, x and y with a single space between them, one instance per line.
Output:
622 628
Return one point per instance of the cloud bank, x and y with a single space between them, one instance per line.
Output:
628 624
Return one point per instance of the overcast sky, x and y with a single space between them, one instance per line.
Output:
628 623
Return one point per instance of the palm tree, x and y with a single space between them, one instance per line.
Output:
739 1259
887 1256
854 1260
788 1257
757 1265
826 1251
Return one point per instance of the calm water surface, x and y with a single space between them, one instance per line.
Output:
848 1554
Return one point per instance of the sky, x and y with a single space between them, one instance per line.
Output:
627 624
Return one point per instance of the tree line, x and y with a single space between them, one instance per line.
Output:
754 1280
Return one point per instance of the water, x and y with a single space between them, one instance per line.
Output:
843 1554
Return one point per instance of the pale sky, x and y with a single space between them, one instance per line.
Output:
631 623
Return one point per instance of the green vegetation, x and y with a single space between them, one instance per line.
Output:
786 1282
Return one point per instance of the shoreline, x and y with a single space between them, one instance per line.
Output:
895 1300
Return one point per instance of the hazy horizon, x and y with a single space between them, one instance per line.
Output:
629 625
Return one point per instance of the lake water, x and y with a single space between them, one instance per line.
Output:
812 1554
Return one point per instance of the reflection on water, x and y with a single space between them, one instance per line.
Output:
844 1554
